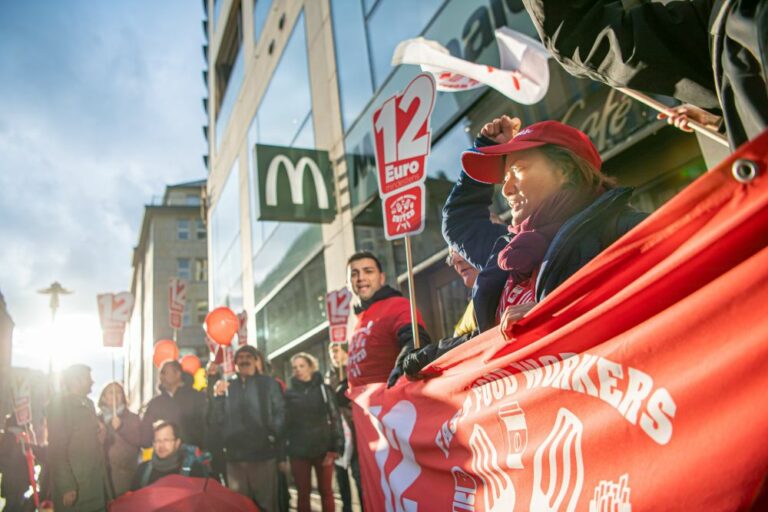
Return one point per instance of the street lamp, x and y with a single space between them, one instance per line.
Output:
55 290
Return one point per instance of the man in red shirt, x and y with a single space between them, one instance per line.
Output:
383 334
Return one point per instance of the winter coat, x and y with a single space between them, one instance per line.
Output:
186 408
249 419
711 53
467 227
13 465
148 473
382 336
313 419
122 448
75 453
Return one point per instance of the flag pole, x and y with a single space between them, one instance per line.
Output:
412 290
664 109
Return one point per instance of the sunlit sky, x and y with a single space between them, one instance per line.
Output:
100 108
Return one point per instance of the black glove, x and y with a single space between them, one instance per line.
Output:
414 361
395 374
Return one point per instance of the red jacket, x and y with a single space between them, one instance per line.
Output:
383 329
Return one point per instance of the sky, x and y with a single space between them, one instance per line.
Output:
100 109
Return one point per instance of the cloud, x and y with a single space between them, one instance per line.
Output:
101 109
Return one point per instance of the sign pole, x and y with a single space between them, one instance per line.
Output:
412 292
664 109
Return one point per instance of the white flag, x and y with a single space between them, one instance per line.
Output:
523 77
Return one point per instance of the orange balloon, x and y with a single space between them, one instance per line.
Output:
190 363
165 350
221 325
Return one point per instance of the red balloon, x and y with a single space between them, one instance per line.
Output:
221 325
190 363
165 350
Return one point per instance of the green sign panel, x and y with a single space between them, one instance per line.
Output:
294 184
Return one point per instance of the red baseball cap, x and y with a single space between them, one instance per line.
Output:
486 164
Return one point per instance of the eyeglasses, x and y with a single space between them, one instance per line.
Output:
164 441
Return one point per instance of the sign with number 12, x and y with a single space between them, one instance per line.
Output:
403 138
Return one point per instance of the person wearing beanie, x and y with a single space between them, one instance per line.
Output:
248 416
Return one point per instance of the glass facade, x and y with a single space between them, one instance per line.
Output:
297 308
284 118
230 96
260 13
225 245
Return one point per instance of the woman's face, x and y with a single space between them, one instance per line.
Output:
301 369
530 178
112 396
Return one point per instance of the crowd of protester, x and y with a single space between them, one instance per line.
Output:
248 429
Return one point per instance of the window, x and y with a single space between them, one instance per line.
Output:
182 229
183 268
277 323
192 200
201 311
260 13
230 70
201 269
387 27
200 231
225 265
185 320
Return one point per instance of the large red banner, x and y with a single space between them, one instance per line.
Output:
638 385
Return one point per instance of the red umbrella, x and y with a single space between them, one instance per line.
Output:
176 493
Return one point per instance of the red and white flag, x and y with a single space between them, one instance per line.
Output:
523 76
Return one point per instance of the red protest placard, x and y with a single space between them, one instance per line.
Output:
177 299
337 304
404 212
114 313
401 129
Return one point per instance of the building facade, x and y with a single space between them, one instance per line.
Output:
172 243
6 349
309 74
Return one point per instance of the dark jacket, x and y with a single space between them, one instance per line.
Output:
313 419
467 227
121 448
186 408
711 53
13 466
340 387
75 454
147 472
249 420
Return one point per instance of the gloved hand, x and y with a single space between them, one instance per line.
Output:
395 374
414 361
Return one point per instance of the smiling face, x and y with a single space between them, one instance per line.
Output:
530 178
365 278
462 267
246 364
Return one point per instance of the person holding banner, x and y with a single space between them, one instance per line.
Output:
178 403
122 442
710 53
564 213
383 336
315 437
